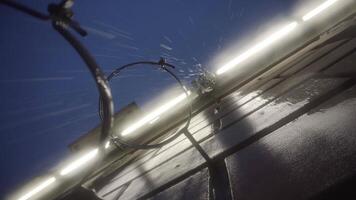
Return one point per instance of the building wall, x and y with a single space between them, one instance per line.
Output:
287 134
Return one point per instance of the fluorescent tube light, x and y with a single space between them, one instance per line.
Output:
259 47
153 116
38 189
154 120
79 162
319 9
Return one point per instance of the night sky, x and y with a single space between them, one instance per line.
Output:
48 98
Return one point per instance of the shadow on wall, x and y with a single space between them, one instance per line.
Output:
238 132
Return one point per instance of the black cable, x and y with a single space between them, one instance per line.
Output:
25 9
118 70
60 15
101 81
119 141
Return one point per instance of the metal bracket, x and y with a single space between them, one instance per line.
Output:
197 146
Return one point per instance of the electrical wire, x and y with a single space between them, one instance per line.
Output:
60 15
161 64
25 9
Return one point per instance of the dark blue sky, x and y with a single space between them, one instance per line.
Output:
48 98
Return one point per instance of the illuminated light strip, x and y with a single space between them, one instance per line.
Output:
319 9
154 120
38 189
78 163
259 47
154 115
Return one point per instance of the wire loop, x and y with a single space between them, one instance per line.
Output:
162 64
